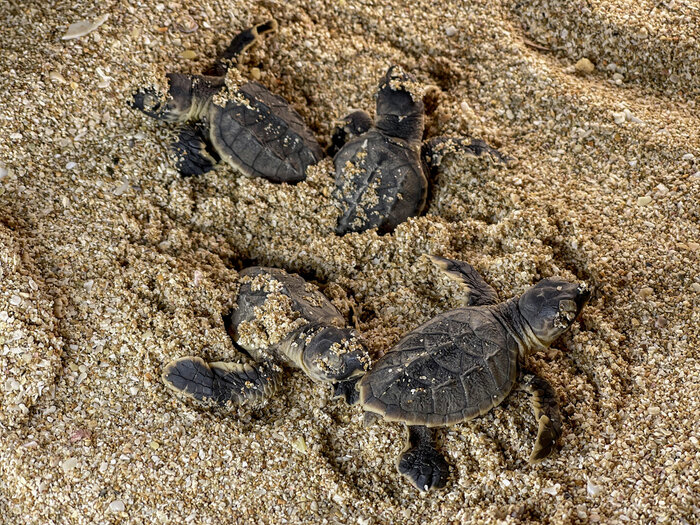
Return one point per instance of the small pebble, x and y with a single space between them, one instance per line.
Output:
79 435
69 464
663 190
186 24
654 410
104 79
660 322
695 287
643 201
593 489
631 118
584 66
619 117
57 77
450 30
70 165
552 489
117 506
122 188
188 54
300 444
646 292
688 156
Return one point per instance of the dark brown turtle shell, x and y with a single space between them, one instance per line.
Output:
379 183
454 367
258 133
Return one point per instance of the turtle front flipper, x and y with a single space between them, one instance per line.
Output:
353 125
434 150
347 389
193 153
421 462
546 408
240 43
220 383
480 292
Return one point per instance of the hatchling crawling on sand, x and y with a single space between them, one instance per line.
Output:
382 168
279 319
252 129
463 362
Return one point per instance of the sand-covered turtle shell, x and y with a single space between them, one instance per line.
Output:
261 135
379 183
272 303
455 367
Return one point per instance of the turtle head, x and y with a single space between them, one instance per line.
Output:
173 106
400 106
335 354
551 307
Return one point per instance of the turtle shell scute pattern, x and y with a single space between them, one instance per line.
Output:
263 136
379 183
452 368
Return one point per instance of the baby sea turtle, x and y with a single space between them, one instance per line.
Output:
464 362
382 168
252 129
279 319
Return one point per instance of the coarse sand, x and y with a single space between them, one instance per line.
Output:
111 264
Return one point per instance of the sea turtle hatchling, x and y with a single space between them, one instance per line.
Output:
279 319
465 361
255 131
382 168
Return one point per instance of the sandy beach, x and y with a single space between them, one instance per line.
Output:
112 264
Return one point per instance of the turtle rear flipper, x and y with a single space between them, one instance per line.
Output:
546 408
480 292
239 44
434 150
220 383
193 154
421 462
348 390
